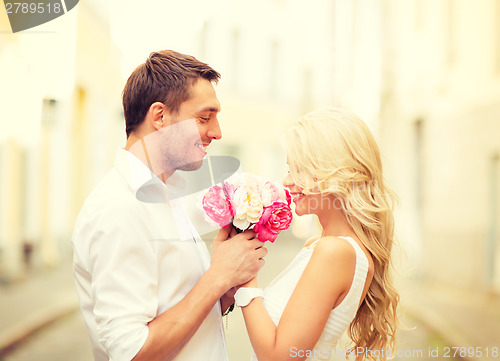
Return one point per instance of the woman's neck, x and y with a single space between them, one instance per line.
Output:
334 223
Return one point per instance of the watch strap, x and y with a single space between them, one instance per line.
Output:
245 295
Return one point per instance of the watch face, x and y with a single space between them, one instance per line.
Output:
241 297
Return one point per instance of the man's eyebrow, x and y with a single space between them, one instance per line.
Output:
210 109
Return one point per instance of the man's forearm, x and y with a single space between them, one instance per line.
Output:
171 330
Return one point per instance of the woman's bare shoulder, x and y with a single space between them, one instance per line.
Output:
335 249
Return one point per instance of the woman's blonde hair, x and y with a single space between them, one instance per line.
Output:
332 151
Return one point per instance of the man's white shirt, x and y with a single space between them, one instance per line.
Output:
136 254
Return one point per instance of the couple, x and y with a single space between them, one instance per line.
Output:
149 289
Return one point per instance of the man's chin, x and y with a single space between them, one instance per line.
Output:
188 167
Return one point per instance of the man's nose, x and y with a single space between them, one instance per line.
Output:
214 132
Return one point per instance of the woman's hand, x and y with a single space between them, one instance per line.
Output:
252 283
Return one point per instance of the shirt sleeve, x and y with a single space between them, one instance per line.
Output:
124 275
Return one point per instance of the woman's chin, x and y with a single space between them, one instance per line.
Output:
300 212
299 208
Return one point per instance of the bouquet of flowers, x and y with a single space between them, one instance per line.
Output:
249 202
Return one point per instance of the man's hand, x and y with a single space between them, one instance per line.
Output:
237 259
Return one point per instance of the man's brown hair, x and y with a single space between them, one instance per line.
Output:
165 77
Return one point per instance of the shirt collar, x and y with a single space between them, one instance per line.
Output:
143 182
135 172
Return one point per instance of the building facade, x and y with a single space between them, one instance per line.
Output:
440 131
58 103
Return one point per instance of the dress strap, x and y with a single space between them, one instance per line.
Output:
357 248
314 243
348 239
360 273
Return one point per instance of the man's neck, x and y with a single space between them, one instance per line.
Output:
137 146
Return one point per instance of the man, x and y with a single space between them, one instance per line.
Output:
148 288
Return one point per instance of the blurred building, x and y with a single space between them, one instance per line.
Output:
440 129
424 74
61 119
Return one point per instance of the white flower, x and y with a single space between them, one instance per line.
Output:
248 206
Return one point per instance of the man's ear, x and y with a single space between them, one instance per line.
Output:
158 115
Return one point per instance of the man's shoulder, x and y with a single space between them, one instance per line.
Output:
112 197
112 188
111 215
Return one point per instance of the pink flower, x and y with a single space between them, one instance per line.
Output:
270 193
275 218
230 188
288 196
217 206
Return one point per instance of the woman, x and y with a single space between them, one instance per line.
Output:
341 280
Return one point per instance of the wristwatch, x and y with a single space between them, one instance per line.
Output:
244 295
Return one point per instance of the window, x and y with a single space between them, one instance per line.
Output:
450 32
235 57
307 87
493 248
496 36
274 61
204 41
49 111
419 140
419 14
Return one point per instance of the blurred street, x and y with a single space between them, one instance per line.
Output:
47 302
65 340
423 75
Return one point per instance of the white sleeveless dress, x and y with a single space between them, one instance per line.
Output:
277 294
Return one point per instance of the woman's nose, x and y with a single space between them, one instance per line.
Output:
287 181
